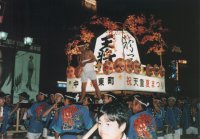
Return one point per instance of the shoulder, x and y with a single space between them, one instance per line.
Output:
133 117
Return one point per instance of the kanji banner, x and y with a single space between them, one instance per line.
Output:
120 81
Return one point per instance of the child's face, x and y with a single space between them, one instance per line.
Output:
109 129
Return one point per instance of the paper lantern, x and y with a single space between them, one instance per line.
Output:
162 71
136 66
156 70
129 65
119 65
149 70
108 67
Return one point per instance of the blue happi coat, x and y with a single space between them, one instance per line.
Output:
72 120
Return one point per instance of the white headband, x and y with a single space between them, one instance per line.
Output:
77 97
60 95
172 98
43 94
111 96
142 102
69 97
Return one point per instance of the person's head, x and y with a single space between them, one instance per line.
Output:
113 119
171 101
156 101
140 103
2 98
109 97
42 96
7 99
23 96
163 101
52 98
89 99
180 101
59 97
128 101
194 110
69 98
82 46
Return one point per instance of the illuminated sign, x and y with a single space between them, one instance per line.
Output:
120 81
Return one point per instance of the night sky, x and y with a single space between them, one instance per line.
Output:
51 22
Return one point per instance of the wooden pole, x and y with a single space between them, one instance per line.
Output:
177 70
89 133
17 122
161 63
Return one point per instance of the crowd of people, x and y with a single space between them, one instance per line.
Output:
61 115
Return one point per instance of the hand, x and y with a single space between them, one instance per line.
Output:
82 64
79 137
55 106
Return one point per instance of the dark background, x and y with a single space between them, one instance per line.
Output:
52 22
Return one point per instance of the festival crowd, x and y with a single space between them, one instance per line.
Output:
61 115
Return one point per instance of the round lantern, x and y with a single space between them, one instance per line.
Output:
108 67
129 65
119 65
70 72
149 70
98 67
136 67
156 70
162 71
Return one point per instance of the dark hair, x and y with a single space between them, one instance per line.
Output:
115 111
111 95
143 100
90 98
70 96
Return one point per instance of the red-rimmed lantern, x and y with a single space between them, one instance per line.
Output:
129 65
162 71
119 65
136 67
149 70
156 70
108 67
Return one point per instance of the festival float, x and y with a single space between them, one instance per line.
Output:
118 65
